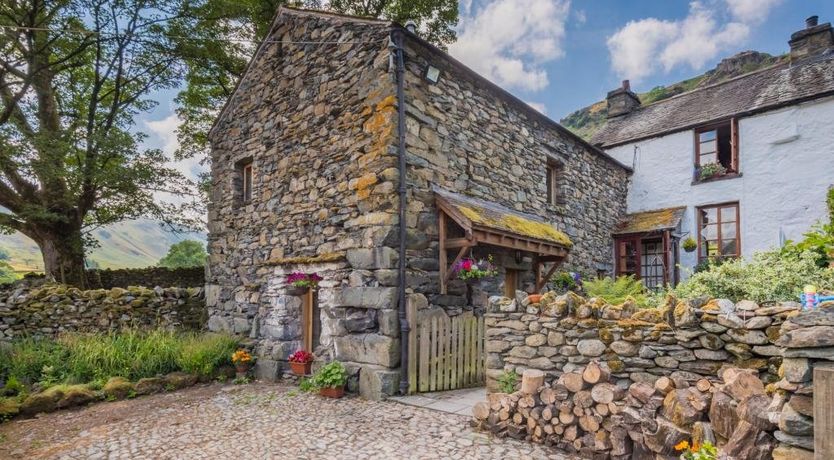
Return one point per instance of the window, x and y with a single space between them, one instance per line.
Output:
245 181
718 231
716 150
555 182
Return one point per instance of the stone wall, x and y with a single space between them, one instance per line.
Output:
50 309
684 341
468 136
318 125
150 276
692 339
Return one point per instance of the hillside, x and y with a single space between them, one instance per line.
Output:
586 121
131 244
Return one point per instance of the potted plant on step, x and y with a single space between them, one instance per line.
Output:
242 360
300 362
330 380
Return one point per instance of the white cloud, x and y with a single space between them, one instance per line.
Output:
166 131
538 106
580 16
508 41
643 47
751 11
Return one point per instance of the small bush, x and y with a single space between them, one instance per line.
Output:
202 354
508 381
769 276
616 291
332 374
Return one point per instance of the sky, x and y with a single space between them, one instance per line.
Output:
562 55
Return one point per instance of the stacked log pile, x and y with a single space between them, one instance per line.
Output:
588 412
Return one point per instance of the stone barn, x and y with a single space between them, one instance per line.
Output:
357 151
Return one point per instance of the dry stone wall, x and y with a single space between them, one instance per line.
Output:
48 310
150 276
765 402
467 136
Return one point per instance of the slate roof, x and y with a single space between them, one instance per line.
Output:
766 89
651 221
482 213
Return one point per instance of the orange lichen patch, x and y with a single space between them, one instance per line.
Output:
366 111
597 107
320 258
651 315
387 102
648 221
365 181
517 224
662 327
712 305
379 122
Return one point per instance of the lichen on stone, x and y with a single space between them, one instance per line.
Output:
319 258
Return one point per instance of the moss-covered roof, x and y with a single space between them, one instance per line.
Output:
490 215
651 221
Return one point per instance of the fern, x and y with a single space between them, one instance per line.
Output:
616 291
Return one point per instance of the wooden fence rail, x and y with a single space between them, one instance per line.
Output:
445 352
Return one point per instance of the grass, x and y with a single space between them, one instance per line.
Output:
93 358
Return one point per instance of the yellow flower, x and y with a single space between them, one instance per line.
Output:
241 356
682 445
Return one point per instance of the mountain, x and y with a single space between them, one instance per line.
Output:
130 244
586 121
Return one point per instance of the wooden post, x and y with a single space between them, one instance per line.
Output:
441 236
823 411
411 317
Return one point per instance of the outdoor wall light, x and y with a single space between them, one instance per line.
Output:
432 74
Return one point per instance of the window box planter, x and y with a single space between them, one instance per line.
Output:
333 392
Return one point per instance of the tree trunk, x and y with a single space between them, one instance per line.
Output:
63 255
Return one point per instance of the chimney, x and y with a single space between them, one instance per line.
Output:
622 101
811 40
411 26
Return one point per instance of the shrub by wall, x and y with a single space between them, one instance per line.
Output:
50 309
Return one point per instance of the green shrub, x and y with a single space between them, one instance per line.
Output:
202 354
29 358
565 281
616 291
508 381
768 276
332 374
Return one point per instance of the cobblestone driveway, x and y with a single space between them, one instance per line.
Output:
260 421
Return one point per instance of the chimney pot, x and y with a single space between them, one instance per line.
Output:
626 85
812 21
411 26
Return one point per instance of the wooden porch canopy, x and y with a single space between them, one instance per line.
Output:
489 223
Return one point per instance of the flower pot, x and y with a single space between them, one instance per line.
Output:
301 368
333 392
534 298
242 369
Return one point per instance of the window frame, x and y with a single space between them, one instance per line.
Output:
719 223
245 189
554 175
733 170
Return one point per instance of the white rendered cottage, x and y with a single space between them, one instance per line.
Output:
740 166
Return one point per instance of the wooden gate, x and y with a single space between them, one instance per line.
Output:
444 353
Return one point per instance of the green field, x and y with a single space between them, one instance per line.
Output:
130 244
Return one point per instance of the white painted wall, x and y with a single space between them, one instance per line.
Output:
786 160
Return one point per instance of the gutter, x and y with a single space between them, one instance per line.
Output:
397 37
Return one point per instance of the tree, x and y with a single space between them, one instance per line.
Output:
7 273
218 37
73 75
186 253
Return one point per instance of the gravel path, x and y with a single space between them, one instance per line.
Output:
259 421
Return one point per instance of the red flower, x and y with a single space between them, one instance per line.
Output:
466 265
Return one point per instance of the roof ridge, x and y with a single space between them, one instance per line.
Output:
314 12
713 85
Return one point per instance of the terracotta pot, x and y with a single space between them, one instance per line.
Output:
333 392
301 368
534 298
242 369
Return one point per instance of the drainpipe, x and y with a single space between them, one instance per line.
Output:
397 38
